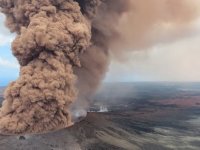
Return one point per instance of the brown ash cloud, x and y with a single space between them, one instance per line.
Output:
51 36
64 48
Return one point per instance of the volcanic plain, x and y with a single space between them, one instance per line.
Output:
135 116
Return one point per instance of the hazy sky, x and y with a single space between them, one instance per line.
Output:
174 61
178 60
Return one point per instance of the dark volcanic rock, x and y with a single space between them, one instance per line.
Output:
133 123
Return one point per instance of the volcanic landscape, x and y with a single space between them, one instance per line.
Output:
127 116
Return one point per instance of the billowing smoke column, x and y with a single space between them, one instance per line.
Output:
51 36
64 47
96 59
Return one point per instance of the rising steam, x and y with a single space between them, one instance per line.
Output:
64 47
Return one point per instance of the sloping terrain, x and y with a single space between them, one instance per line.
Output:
136 123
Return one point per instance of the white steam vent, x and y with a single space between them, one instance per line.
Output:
78 115
103 109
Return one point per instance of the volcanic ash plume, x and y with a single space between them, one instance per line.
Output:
123 26
63 47
51 35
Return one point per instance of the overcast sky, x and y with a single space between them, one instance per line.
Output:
178 60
